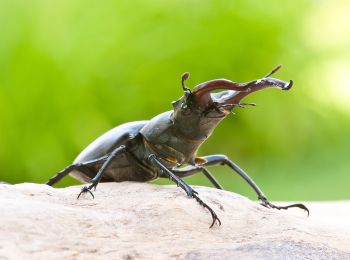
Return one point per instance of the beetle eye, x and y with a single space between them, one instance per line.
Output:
185 109
175 103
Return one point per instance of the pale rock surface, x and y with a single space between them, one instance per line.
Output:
145 221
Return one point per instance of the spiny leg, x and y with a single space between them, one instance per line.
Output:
179 182
223 160
119 150
190 170
268 204
78 166
183 185
212 212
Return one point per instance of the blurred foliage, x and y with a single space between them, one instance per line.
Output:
71 70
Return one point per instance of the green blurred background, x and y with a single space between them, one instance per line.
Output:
71 70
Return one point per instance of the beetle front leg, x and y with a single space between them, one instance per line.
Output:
223 160
264 201
179 182
183 185
268 204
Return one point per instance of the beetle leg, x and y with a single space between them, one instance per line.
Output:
77 166
84 190
190 192
268 204
223 160
119 150
190 170
212 212
183 185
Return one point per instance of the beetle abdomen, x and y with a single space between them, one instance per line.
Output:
103 145
109 141
122 168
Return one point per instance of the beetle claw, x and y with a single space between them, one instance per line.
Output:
269 205
212 212
86 189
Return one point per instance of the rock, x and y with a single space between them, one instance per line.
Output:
144 221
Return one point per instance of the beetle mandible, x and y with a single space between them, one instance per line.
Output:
166 146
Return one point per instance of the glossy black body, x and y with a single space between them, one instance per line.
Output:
173 136
167 145
159 136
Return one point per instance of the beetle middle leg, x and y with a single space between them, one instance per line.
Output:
119 150
190 170
190 192
219 159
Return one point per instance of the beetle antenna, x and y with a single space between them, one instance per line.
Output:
273 71
248 104
185 77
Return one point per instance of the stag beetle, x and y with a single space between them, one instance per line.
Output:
166 146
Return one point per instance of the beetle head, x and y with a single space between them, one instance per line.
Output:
198 112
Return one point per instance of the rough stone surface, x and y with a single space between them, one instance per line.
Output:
145 221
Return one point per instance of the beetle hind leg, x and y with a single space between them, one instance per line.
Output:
83 167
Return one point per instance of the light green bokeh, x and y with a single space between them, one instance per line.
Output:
71 70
